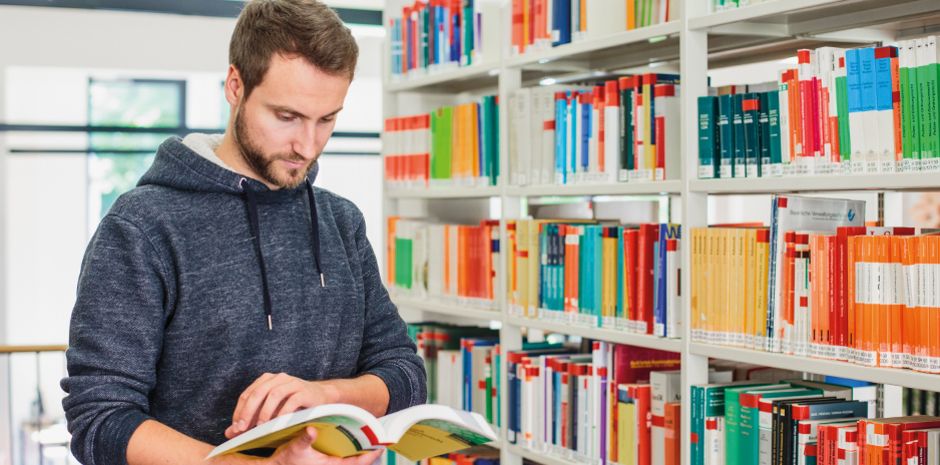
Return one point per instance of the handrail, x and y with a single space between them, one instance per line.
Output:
32 349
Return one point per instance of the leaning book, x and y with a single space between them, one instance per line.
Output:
345 430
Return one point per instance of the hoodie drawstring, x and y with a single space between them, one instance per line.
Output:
251 206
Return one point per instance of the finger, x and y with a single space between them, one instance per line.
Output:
303 443
273 403
243 398
254 400
290 405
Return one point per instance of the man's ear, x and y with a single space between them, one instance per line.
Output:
234 86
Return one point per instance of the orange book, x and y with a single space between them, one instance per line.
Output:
672 426
526 22
629 273
895 337
909 334
853 251
631 14
896 103
517 35
463 260
933 264
583 26
572 266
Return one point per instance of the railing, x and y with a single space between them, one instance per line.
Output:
32 426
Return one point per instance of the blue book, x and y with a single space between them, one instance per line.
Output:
866 60
561 26
573 120
561 113
585 132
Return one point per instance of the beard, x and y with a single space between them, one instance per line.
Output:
266 166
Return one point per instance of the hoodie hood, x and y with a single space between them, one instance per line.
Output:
188 166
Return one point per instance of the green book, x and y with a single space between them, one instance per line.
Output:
842 106
403 270
927 84
707 137
468 20
442 121
732 419
626 129
910 92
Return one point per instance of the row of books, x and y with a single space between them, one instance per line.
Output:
445 261
479 455
462 365
624 130
456 145
542 24
840 111
442 34
798 422
598 275
818 283
920 402
562 400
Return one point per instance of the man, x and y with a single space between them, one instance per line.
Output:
225 290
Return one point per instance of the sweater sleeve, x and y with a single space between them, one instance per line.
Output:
387 350
115 340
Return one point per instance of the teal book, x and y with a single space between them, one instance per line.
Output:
707 137
725 136
750 120
773 141
739 157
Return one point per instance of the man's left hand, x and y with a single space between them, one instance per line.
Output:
272 395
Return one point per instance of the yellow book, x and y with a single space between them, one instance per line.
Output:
522 263
629 444
649 143
533 264
474 139
609 278
345 430
763 268
750 286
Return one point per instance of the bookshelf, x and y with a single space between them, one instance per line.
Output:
694 44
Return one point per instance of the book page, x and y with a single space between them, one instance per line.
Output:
428 430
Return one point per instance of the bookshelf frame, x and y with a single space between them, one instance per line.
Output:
766 28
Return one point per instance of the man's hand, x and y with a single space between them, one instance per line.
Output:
272 395
299 452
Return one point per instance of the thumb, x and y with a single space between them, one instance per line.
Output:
305 439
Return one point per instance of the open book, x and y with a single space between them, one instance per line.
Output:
345 430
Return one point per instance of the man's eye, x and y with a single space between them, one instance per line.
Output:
285 118
328 119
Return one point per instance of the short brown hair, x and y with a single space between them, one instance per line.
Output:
305 28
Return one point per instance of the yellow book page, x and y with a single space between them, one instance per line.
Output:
430 438
332 439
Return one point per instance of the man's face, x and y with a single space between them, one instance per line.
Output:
282 127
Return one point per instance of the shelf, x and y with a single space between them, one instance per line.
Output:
545 459
895 376
444 193
448 308
607 51
882 182
619 337
461 79
812 17
631 188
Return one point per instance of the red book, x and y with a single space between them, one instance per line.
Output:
641 398
629 273
649 233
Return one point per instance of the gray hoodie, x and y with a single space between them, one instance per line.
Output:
180 283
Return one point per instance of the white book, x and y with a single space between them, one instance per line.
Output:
714 441
345 430
546 116
605 17
478 378
665 387
673 285
449 374
667 107
453 253
611 137
436 260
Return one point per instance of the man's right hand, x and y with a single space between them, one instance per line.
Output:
299 452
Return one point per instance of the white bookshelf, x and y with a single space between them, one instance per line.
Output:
467 311
770 29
